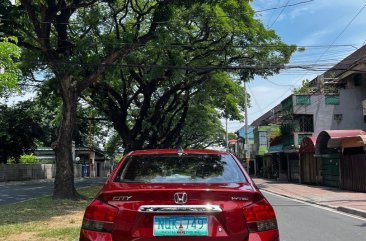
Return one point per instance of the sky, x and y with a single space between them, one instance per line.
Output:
329 30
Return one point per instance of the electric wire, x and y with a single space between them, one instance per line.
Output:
282 10
330 45
272 14
254 98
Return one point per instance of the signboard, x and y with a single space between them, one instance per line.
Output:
262 138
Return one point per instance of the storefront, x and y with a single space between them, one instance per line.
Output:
328 149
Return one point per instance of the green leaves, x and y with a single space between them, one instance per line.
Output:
19 128
9 71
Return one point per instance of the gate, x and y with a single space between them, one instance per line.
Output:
330 171
310 168
353 172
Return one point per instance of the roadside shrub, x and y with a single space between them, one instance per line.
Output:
10 161
28 159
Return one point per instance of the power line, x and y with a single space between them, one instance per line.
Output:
119 44
282 10
284 6
338 36
344 29
332 43
274 83
254 98
309 67
272 14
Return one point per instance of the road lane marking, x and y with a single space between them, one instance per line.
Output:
316 205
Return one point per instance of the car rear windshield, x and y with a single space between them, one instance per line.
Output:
186 168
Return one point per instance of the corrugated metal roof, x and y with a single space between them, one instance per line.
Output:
354 141
336 136
347 63
275 149
329 139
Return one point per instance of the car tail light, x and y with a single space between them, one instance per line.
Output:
99 216
260 216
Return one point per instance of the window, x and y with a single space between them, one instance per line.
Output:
306 123
332 99
338 117
302 99
357 79
172 168
263 138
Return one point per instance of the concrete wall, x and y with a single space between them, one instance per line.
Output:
23 172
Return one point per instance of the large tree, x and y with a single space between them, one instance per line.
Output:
149 93
57 35
80 43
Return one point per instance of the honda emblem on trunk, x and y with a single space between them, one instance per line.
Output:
180 197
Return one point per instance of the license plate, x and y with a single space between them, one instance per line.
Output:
180 226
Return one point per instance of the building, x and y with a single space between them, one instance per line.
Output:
335 100
94 162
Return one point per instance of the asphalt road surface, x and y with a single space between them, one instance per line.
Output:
20 191
299 221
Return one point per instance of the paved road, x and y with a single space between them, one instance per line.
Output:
302 222
16 192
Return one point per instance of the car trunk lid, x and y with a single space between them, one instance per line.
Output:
143 206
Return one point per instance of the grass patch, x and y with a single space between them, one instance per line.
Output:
44 218
64 233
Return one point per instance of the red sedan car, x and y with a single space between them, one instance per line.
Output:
179 194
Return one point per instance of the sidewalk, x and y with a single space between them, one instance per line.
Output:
341 200
35 181
32 181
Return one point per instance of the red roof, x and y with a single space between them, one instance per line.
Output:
354 141
308 145
336 136
344 133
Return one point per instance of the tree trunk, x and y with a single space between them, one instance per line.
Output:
64 181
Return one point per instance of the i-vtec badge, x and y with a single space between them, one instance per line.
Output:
121 198
239 199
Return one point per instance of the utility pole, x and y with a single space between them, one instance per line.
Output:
90 147
247 149
227 136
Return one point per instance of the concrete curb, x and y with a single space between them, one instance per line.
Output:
352 211
356 212
35 181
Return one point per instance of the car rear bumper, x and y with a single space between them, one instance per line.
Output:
270 235
88 235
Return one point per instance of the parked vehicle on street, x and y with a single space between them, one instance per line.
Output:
179 194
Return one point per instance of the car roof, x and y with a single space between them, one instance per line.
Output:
174 151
